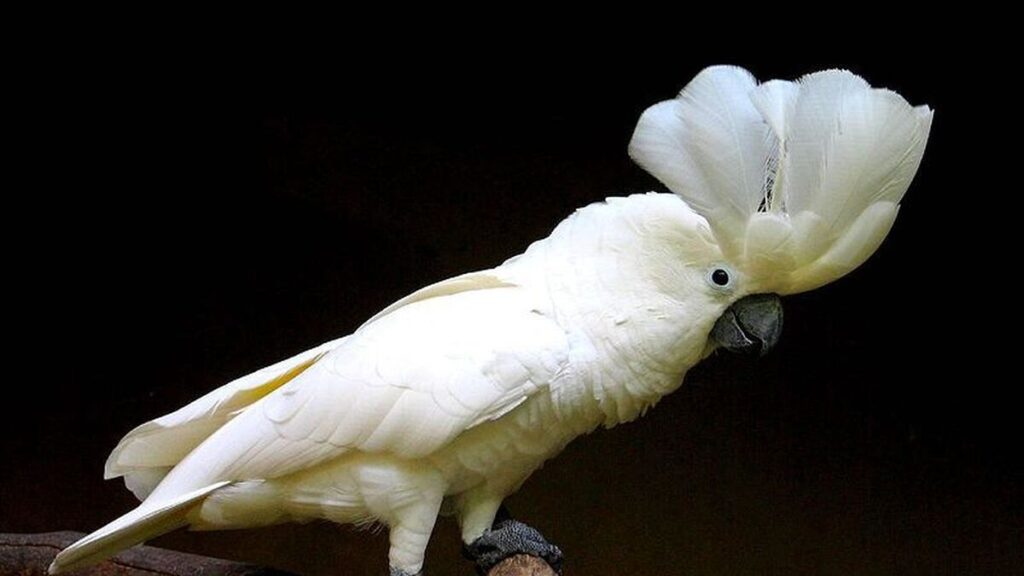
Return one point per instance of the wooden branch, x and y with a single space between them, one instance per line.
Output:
522 565
31 554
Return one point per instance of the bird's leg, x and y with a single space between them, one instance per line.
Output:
509 537
408 546
410 526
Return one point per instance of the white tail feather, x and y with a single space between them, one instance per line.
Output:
145 522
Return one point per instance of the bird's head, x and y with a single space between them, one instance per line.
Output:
792 184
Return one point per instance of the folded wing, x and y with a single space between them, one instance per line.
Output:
406 383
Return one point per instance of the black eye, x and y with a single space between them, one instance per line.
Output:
720 277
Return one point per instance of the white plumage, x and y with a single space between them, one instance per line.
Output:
459 391
799 180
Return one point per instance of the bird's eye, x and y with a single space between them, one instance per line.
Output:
720 277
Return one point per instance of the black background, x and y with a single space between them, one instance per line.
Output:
180 217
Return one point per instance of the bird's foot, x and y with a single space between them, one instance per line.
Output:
509 538
400 572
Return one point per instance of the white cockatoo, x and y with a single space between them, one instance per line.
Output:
447 400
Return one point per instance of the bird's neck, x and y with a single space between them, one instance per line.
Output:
630 342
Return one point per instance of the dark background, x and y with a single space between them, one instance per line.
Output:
179 218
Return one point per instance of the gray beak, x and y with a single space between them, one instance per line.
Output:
752 325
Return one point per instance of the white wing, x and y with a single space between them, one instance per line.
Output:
406 383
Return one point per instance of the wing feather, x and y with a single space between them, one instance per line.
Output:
407 384
147 453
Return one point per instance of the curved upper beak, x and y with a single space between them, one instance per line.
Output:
751 325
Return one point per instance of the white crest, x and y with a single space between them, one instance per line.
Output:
799 181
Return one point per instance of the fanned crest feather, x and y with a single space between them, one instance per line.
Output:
799 181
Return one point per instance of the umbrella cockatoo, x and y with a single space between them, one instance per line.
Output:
447 400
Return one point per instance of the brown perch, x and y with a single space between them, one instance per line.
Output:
30 554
